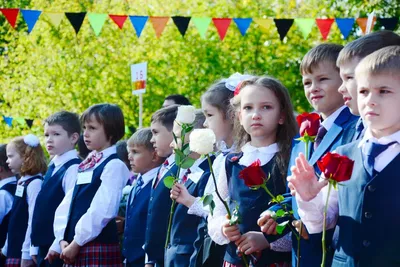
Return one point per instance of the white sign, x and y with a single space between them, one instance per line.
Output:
138 78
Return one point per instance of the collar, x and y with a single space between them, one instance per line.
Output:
8 180
383 140
27 177
251 154
148 176
171 160
328 122
61 159
107 152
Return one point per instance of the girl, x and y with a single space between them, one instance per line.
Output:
84 224
264 128
25 157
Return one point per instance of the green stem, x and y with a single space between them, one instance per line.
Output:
269 193
324 227
171 212
307 147
298 244
245 260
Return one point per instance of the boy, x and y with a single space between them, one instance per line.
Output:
367 204
162 123
61 131
145 162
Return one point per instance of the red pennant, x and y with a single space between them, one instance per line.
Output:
324 26
119 20
362 22
11 15
222 26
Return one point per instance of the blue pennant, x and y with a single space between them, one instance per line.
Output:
138 23
31 17
243 24
345 26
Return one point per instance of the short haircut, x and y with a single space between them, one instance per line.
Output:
166 116
366 45
3 157
199 119
317 55
69 121
141 137
383 61
108 115
179 99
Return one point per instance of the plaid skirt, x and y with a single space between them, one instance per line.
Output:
13 262
95 254
281 264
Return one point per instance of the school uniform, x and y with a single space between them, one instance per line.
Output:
87 213
136 219
54 188
7 191
20 224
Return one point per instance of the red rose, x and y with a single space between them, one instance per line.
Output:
336 167
253 175
308 122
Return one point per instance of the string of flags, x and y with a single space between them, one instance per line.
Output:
97 20
21 121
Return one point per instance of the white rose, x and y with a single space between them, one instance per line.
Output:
31 140
202 141
127 189
186 114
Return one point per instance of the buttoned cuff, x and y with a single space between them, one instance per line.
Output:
34 251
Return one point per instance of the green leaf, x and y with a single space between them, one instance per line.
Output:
279 198
187 163
280 213
280 227
169 181
256 187
178 156
207 199
186 149
212 207
235 219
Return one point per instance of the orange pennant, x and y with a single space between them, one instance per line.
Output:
324 26
159 24
119 20
11 15
362 22
222 25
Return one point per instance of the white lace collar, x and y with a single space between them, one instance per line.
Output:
264 154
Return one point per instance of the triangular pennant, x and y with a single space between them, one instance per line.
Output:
182 23
20 120
305 26
30 17
29 122
138 22
55 18
283 26
202 25
389 23
345 26
324 26
8 120
243 24
76 19
97 21
159 24
263 23
11 15
222 25
119 20
362 23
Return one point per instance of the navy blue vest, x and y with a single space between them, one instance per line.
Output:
80 203
49 198
10 188
19 222
157 219
251 202
135 225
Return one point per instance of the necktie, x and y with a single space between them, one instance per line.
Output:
320 135
90 161
359 129
373 150
49 172
137 187
160 172
185 176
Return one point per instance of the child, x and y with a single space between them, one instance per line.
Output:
144 161
367 204
84 223
162 123
264 129
25 157
61 131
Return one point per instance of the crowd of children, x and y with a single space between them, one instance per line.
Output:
64 213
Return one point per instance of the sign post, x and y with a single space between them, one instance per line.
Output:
138 79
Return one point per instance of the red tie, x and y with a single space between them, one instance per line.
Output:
185 176
90 161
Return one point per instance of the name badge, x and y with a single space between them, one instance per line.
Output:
19 192
84 178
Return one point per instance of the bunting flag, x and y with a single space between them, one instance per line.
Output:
202 25
345 26
119 20
96 21
389 23
263 23
159 24
29 122
243 24
324 26
55 18
20 120
283 26
11 15
362 23
138 22
76 20
8 120
30 17
222 25
182 23
305 26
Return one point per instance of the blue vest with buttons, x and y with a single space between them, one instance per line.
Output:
47 201
80 203
368 224
135 225
251 202
10 188
18 223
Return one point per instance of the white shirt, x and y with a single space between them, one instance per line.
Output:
147 178
328 122
59 161
164 169
103 208
6 199
311 212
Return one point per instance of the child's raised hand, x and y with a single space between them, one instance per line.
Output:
231 232
51 256
251 242
181 195
303 180
69 253
267 224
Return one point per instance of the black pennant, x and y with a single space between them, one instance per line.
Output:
283 26
76 19
182 23
389 23
29 122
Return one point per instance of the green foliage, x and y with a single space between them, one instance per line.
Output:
169 181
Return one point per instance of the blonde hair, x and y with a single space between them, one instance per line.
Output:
33 159
141 137
385 60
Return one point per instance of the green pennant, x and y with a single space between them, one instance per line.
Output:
202 25
305 26
97 20
20 120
